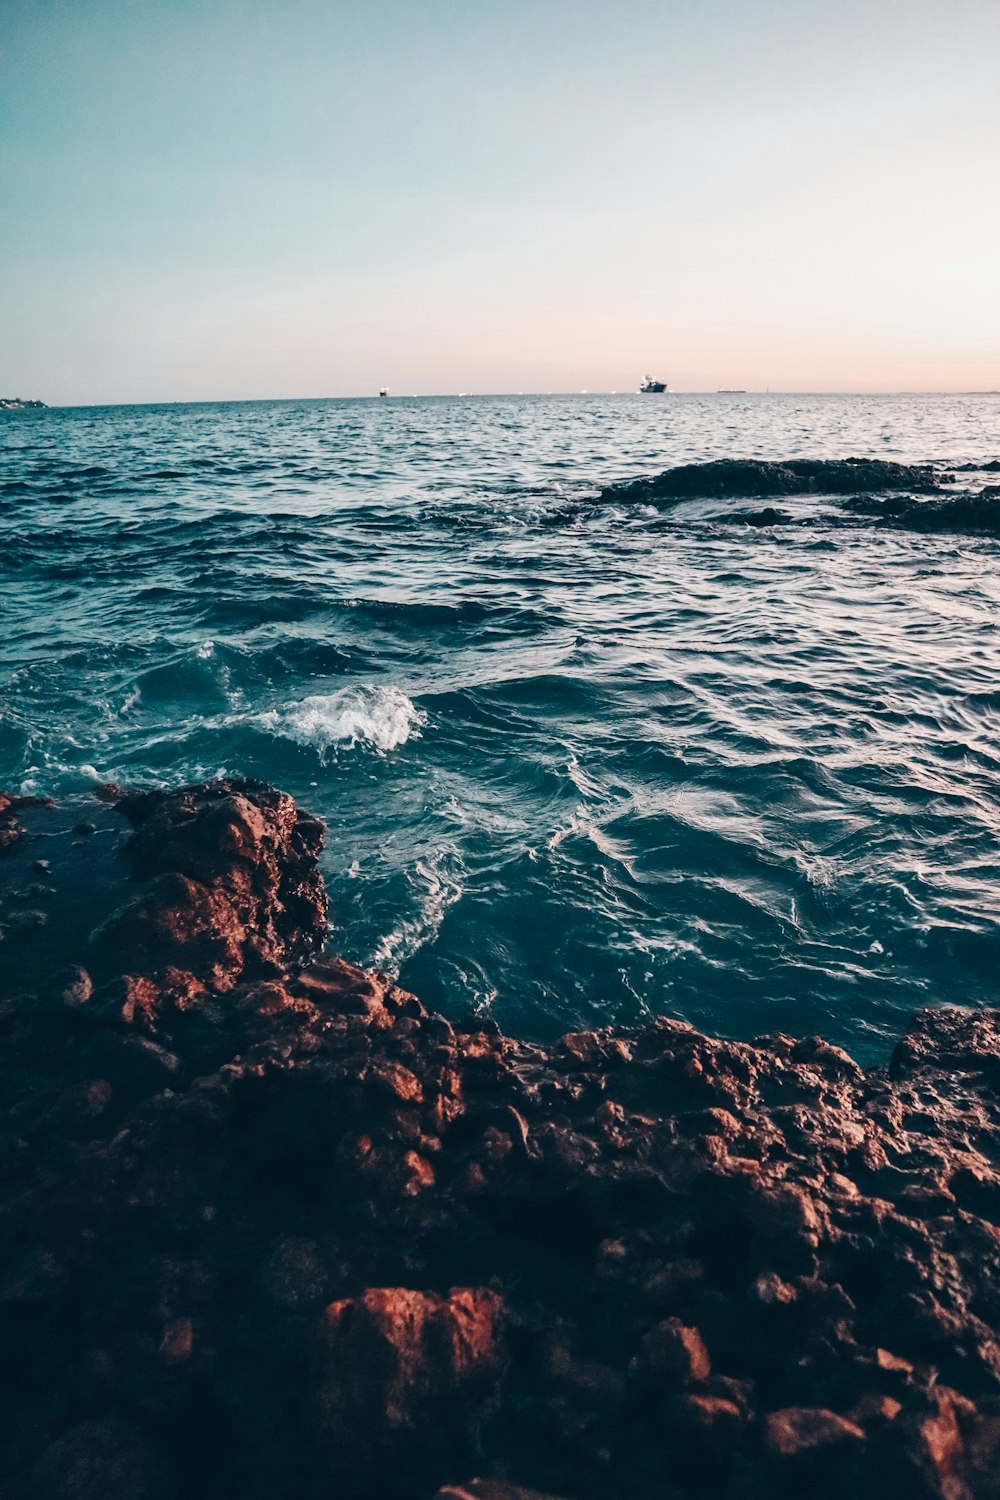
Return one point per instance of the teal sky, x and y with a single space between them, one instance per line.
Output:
203 199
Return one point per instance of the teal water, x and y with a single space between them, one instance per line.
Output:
580 761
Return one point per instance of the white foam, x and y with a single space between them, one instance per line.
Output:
436 888
380 716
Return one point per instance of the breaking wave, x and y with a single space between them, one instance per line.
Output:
380 716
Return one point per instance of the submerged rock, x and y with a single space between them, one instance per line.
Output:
271 1227
769 516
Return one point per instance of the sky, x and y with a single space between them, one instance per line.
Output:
205 199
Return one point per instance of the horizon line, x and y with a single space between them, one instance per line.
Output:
485 395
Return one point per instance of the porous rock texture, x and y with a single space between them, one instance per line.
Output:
230 890
277 1230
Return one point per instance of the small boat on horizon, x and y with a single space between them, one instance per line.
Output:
651 387
383 391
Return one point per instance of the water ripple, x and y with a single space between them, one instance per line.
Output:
581 759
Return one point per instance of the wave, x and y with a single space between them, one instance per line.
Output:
434 889
378 715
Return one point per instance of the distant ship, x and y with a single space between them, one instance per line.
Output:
651 387
383 391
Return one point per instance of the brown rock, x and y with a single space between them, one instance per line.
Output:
772 1291
676 1352
395 1082
232 890
942 1446
715 1417
398 1360
784 1211
798 1430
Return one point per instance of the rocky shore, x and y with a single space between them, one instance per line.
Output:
271 1228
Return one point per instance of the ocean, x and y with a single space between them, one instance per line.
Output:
583 758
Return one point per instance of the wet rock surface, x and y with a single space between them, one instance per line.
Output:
270 1227
729 479
230 890
973 514
769 516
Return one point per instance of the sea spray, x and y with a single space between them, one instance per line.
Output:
381 716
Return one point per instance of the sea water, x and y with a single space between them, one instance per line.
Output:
581 761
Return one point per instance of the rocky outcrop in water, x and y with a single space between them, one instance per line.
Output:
906 496
754 478
278 1229
971 515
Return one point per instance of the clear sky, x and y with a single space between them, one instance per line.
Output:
229 198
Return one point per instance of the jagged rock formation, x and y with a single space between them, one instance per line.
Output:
276 1229
230 890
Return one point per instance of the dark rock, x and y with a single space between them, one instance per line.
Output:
676 1352
971 515
97 1460
294 1273
733 479
404 1365
11 830
769 516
